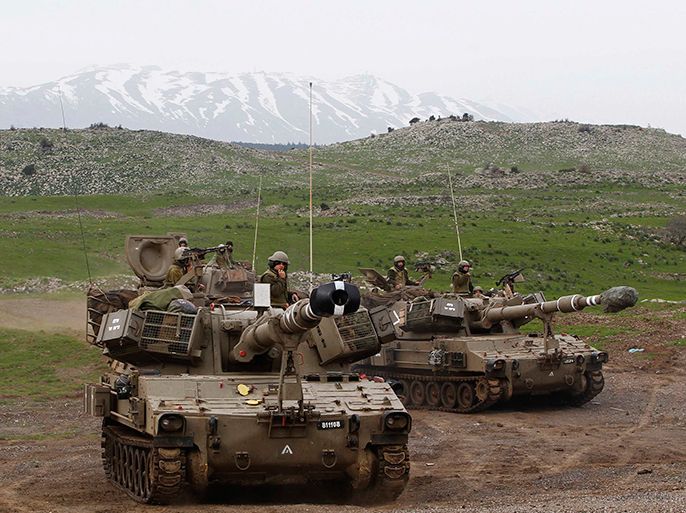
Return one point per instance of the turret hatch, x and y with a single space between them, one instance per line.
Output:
150 256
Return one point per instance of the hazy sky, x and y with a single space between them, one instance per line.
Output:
596 61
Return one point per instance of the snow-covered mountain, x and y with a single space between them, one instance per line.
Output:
251 107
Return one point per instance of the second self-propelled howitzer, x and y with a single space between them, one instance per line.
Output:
237 392
464 354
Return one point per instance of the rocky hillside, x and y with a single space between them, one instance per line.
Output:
119 161
484 154
468 147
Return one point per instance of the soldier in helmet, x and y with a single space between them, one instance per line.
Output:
178 268
277 277
462 279
397 276
223 258
183 242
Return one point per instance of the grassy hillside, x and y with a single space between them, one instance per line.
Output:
581 229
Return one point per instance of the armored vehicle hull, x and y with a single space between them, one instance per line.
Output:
217 429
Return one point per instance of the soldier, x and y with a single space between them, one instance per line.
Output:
276 276
183 242
178 268
462 280
397 276
223 258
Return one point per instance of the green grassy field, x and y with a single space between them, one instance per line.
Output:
44 366
563 245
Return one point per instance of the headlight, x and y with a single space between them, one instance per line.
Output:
397 421
171 423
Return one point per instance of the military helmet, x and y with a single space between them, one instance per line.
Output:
478 289
398 258
183 240
279 256
180 254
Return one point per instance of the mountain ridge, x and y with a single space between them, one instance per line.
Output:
258 107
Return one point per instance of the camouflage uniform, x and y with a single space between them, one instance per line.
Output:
462 283
278 288
174 274
400 277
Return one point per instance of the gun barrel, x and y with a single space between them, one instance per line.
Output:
331 299
565 304
614 300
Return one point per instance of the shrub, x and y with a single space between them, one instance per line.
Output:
29 170
45 144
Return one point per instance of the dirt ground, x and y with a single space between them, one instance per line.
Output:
623 452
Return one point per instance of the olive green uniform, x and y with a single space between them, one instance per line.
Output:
396 276
223 260
278 288
462 283
174 274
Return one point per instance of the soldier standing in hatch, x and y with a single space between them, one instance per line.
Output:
183 242
462 279
178 268
277 277
397 276
223 258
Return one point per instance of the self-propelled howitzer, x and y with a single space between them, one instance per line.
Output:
464 354
240 393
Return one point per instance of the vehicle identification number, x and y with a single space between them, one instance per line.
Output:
330 424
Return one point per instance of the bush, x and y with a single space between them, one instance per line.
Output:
585 128
45 144
98 125
29 170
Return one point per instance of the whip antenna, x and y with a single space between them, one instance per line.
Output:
257 221
76 194
457 226
311 271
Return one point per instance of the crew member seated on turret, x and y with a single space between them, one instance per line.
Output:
178 268
397 276
277 277
462 279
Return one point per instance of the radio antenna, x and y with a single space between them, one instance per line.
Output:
76 194
311 227
257 221
457 226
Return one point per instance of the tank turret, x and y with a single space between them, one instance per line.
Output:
219 387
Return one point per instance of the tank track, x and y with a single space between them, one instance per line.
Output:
391 476
145 473
595 382
491 391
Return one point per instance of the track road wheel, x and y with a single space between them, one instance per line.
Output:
449 395
433 394
417 393
465 395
